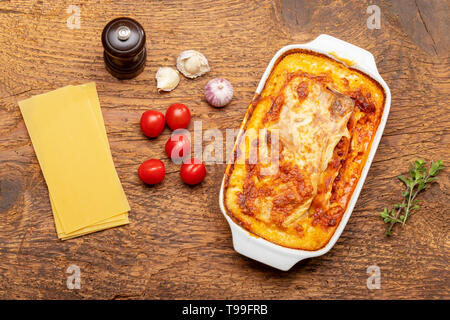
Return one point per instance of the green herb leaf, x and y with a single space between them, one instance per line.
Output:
436 167
403 179
431 179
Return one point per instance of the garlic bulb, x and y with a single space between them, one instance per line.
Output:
192 64
167 79
218 92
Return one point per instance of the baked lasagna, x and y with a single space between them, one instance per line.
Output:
301 149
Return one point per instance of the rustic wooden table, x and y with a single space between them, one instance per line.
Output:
178 245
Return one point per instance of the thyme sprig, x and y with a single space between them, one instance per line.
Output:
419 179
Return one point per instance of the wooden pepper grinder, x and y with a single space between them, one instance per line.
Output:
124 42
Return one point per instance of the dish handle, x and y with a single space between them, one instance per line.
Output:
362 58
261 250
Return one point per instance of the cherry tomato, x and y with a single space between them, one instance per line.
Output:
193 172
152 171
178 146
152 123
178 116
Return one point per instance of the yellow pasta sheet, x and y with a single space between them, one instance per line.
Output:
69 137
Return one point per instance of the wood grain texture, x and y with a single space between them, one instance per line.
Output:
178 245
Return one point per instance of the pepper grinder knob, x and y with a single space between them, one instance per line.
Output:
124 53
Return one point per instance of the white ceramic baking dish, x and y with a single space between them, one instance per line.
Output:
284 258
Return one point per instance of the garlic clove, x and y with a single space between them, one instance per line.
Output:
192 64
219 92
167 79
